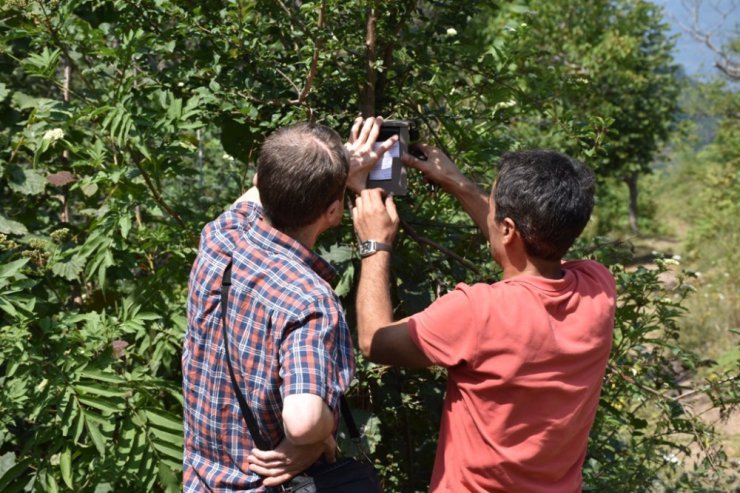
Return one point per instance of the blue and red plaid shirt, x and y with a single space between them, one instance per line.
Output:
287 335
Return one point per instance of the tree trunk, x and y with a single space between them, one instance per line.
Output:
632 185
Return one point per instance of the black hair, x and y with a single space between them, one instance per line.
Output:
548 195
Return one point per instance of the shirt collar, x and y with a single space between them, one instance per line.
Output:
268 238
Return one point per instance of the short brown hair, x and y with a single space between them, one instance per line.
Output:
301 170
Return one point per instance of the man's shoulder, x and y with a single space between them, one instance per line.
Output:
279 277
239 216
592 269
586 264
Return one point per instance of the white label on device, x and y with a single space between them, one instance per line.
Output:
383 170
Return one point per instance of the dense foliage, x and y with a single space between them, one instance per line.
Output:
126 125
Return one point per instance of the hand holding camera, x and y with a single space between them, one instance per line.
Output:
364 152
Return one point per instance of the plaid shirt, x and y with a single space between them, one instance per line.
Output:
287 336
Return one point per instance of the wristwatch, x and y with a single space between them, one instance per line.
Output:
370 247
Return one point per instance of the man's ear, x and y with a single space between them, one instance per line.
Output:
334 212
508 230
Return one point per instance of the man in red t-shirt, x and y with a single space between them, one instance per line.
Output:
525 356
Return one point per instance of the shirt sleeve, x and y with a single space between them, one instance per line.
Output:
446 331
311 359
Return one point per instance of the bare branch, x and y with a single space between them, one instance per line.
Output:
158 196
367 105
318 46
297 89
426 241
726 64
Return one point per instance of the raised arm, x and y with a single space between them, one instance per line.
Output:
381 339
439 169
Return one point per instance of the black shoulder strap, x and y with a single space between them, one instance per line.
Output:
252 425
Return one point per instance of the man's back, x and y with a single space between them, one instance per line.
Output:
287 336
526 357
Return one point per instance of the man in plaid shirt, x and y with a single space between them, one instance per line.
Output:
288 340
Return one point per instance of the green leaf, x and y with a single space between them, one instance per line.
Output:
68 417
346 282
166 437
15 477
79 425
164 420
97 438
10 227
103 488
102 377
8 307
125 224
51 482
3 92
168 449
105 391
11 268
22 101
65 465
26 181
7 461
69 268
42 63
108 406
519 9
168 478
89 189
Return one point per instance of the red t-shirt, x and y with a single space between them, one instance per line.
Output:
526 357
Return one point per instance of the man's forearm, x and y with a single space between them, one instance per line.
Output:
374 309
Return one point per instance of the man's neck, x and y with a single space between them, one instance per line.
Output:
306 235
528 266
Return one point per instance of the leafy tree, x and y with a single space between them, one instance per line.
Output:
128 125
605 67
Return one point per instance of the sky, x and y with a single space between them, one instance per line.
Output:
720 17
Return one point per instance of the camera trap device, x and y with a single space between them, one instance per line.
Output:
389 173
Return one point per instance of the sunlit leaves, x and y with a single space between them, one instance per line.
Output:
42 64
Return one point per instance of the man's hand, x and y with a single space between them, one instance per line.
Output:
362 154
374 217
438 168
287 460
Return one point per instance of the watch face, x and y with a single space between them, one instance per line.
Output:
367 247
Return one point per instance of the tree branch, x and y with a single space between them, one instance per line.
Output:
367 104
677 398
318 46
426 241
285 76
726 64
158 196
